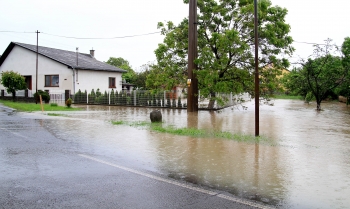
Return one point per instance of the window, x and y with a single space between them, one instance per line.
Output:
51 80
111 82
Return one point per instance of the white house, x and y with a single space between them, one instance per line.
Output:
60 70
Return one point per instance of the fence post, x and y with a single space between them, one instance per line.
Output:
109 98
164 98
2 93
231 99
66 95
87 97
135 92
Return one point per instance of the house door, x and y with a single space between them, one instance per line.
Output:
28 80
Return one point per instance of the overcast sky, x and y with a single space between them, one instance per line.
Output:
311 21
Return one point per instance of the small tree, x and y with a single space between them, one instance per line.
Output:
13 82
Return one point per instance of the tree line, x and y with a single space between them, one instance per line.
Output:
226 63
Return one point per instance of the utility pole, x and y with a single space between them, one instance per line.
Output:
256 68
192 82
77 53
37 55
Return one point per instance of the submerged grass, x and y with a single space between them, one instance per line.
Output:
193 132
56 114
284 96
30 107
134 124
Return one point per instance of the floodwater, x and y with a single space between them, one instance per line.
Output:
305 162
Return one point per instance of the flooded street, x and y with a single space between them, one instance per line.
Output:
304 163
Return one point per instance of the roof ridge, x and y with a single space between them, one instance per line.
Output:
85 61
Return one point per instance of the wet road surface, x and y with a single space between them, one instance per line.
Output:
305 163
84 162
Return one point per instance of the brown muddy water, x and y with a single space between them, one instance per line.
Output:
305 162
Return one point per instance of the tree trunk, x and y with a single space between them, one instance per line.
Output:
14 96
318 105
211 101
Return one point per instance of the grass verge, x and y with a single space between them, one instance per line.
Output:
30 107
192 132
284 96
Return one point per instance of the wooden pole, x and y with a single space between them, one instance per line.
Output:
256 68
192 96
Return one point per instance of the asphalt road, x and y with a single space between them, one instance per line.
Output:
38 170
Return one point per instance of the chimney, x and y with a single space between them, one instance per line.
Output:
92 52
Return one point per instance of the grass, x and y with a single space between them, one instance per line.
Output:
201 133
192 132
284 96
31 107
56 114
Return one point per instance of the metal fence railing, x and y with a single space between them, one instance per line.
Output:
149 98
167 99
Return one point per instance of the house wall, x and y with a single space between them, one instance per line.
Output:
88 80
23 61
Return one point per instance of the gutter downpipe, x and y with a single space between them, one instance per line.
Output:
73 79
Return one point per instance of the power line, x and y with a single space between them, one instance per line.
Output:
7 31
129 36
118 37
303 42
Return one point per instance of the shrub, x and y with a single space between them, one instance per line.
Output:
179 102
53 104
69 102
44 96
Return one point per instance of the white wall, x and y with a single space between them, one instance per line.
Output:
23 61
88 80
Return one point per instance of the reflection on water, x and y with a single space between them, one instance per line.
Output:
306 164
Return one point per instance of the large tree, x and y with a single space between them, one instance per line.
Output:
13 82
121 63
344 89
225 47
321 74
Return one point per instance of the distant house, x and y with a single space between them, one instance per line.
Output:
60 70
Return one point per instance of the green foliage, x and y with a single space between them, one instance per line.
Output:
53 104
284 96
56 114
192 132
30 107
80 97
318 77
179 102
295 83
44 96
174 102
113 100
13 82
141 77
92 97
69 102
225 56
344 88
121 63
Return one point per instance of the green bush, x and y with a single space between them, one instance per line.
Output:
69 102
53 104
44 96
